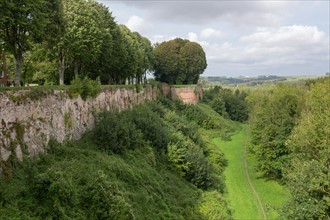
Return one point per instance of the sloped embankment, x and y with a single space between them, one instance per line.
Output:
150 162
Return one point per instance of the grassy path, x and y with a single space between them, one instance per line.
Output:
260 205
249 195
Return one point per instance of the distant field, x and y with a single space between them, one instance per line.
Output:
255 81
241 196
297 78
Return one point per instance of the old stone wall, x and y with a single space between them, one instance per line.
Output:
28 122
189 95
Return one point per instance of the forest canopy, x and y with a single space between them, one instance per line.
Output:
52 42
290 137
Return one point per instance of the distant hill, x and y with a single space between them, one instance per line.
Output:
245 80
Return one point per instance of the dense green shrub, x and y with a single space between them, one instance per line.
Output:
213 206
273 116
194 113
188 128
105 200
227 103
55 189
189 160
78 181
307 175
84 87
219 105
115 132
167 103
158 108
151 125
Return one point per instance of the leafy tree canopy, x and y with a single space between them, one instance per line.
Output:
273 115
308 174
23 22
179 61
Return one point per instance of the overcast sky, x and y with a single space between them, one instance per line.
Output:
239 37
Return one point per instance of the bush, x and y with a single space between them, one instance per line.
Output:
189 160
105 200
213 206
188 128
227 103
55 189
84 87
194 113
151 125
158 108
115 132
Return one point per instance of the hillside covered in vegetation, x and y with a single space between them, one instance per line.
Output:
151 162
167 160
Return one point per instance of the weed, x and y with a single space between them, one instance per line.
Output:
20 130
68 120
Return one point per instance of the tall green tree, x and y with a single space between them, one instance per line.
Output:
227 103
139 55
40 61
23 22
83 35
102 66
85 31
40 65
149 58
130 61
192 62
273 115
179 61
119 57
55 32
308 175
167 61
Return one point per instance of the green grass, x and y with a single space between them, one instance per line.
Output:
270 192
239 193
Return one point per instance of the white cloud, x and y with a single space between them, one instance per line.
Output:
229 33
273 47
135 23
237 12
161 38
287 35
193 37
157 38
211 33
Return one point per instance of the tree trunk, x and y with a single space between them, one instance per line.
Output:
19 62
61 62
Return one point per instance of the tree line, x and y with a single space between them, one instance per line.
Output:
227 103
290 136
53 41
